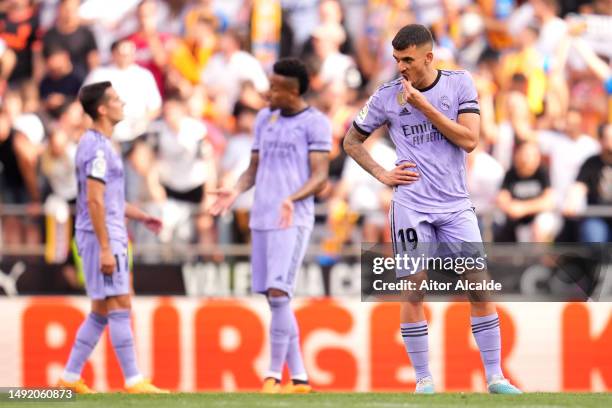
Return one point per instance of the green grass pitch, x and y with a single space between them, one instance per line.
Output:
329 400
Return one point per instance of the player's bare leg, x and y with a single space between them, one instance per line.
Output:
415 334
485 328
87 337
122 338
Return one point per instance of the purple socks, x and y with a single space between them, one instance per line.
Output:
416 342
86 339
486 333
294 353
284 340
123 343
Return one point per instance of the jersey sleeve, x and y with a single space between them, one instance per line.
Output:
95 162
372 115
320 135
467 95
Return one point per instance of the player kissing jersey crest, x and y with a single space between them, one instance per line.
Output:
442 186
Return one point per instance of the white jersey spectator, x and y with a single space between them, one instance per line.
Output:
136 87
567 153
484 178
229 69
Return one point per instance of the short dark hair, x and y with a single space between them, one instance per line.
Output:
92 96
294 68
118 42
412 35
519 78
54 49
601 130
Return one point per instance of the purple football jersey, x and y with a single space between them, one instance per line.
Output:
284 144
97 159
442 185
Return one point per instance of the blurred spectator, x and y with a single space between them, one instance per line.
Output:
594 183
374 51
206 9
136 88
514 121
229 69
496 15
171 16
517 104
567 151
20 31
151 45
335 66
19 183
75 37
529 62
334 101
60 81
552 28
302 16
599 67
186 170
24 118
57 164
235 161
7 64
191 54
472 41
71 118
330 12
525 199
109 23
484 178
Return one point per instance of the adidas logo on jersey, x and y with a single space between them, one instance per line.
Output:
404 112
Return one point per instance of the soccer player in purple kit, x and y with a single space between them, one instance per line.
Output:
102 242
289 164
433 119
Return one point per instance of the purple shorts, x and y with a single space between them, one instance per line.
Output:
277 257
97 284
428 235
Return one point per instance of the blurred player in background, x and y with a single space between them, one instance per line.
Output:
433 118
289 164
102 242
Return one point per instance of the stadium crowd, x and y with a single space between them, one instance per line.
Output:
193 74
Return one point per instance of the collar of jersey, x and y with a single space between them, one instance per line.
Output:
434 83
294 114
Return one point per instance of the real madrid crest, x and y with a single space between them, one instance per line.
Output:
401 99
444 103
273 118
